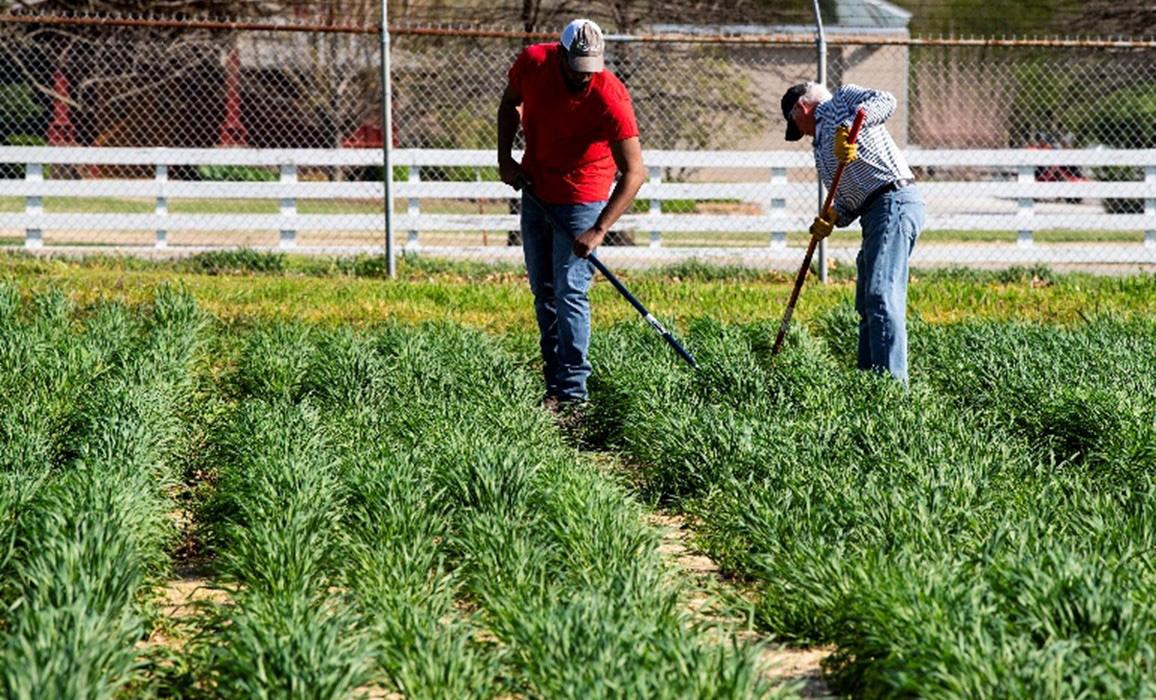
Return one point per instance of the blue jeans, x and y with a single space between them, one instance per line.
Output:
890 228
559 280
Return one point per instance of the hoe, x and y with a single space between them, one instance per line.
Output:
802 276
646 315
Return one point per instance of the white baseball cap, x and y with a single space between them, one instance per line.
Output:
584 45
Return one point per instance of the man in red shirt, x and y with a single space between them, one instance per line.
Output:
580 131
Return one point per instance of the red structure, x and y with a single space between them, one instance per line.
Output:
368 135
233 132
61 131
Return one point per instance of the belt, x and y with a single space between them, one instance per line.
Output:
880 191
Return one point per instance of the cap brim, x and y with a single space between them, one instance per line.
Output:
793 133
587 64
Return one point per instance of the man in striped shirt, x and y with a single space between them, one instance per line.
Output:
877 188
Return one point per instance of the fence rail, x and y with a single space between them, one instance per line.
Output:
758 186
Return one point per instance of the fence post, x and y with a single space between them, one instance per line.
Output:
1150 208
162 209
413 210
1027 175
288 208
34 206
655 205
821 78
387 139
778 208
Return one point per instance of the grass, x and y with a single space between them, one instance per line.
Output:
850 237
389 508
91 417
334 511
243 285
972 537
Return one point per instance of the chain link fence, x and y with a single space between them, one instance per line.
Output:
272 137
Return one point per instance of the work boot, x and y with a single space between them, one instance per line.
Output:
550 403
571 416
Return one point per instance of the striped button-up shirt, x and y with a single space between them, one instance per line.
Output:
880 161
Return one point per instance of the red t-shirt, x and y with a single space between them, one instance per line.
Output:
568 135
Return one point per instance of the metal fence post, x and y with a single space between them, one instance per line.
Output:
821 47
34 206
387 139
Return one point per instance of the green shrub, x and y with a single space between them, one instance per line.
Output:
233 262
237 173
1122 119
1120 173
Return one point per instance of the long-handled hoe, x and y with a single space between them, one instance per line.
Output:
646 315
852 137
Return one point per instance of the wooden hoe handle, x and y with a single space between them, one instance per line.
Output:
852 137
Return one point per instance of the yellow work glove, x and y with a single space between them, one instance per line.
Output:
845 152
821 228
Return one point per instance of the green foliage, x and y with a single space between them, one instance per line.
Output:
970 537
17 171
21 110
975 17
1122 119
26 140
695 269
1047 104
391 510
334 507
417 266
237 173
91 426
233 262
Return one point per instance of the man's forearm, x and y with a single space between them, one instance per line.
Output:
507 129
620 199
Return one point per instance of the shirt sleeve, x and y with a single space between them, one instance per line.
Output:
880 104
518 70
621 123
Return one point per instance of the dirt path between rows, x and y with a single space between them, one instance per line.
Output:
779 663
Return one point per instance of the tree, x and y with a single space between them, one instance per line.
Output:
329 82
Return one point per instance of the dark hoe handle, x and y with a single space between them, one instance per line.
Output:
523 185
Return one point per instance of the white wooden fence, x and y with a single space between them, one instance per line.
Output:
758 178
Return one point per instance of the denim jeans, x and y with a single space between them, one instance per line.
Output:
890 228
559 280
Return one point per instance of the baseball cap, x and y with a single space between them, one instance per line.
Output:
584 45
790 97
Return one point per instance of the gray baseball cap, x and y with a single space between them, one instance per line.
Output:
584 46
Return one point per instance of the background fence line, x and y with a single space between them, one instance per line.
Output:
772 204
1052 159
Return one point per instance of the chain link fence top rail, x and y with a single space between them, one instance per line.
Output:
272 138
